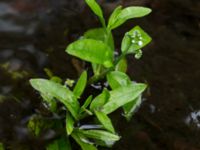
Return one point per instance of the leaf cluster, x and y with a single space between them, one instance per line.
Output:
97 47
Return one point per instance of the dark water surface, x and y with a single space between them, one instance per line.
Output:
34 34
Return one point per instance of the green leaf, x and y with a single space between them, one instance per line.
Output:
60 144
122 96
126 43
114 15
122 65
130 107
100 34
93 51
134 40
36 124
97 69
105 121
129 13
81 140
96 9
108 144
84 111
58 91
100 135
56 79
50 102
86 104
117 79
80 85
69 124
100 100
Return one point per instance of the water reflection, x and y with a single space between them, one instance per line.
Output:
9 26
193 119
12 20
6 9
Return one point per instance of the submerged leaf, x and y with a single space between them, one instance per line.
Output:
36 124
58 91
93 51
60 144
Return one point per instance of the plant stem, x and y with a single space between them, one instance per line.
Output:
96 78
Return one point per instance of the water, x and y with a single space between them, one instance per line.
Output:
34 34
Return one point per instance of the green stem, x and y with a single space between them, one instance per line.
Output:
102 20
96 78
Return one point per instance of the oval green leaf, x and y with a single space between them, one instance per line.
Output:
101 35
105 121
117 79
58 91
96 9
134 40
93 51
122 96
129 13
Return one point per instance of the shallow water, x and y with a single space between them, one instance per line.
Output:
34 34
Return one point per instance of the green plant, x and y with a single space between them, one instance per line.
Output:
97 47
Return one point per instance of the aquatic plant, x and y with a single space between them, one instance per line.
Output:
96 46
